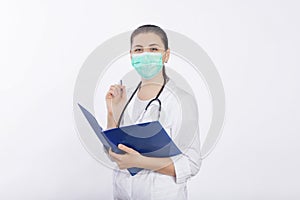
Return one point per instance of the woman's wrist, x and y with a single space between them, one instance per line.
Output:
161 165
110 121
141 162
147 162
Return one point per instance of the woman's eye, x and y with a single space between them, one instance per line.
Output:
154 49
137 50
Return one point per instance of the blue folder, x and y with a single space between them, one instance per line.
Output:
149 138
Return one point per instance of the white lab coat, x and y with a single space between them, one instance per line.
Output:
151 185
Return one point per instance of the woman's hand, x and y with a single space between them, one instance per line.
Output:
115 100
133 158
130 159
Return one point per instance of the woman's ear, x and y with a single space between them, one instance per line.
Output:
167 55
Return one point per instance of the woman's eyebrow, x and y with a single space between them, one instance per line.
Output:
137 45
153 44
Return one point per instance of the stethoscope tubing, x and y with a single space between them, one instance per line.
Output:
152 100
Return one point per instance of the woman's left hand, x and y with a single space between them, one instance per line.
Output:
130 159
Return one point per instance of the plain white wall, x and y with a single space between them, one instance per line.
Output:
254 44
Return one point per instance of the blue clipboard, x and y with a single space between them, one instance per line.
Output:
149 138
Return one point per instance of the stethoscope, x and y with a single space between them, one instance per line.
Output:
151 101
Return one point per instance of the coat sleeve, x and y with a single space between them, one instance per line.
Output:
188 163
186 135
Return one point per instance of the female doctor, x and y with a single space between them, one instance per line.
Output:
155 98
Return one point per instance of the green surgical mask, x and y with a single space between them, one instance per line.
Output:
147 64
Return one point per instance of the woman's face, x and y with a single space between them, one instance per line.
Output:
149 42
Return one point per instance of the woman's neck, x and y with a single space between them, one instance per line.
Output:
150 88
156 81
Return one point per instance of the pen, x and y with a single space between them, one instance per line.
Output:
121 85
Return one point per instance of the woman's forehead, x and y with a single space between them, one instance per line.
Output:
147 39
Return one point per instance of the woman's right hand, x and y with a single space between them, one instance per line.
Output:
115 100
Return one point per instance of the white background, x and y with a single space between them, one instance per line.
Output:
254 44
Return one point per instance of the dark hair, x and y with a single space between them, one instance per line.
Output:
150 28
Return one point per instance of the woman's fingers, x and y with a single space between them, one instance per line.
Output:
113 154
115 89
121 89
115 94
112 93
126 148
